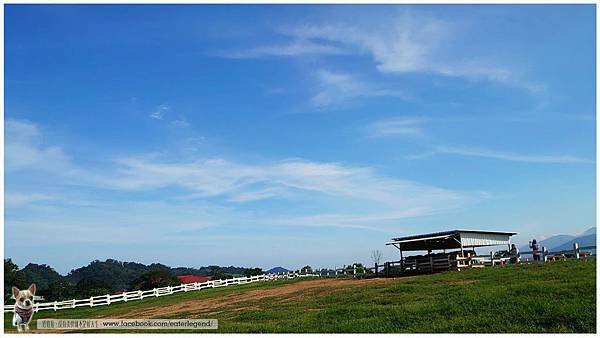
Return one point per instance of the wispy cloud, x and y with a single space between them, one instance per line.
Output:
337 88
373 221
298 47
15 200
505 156
400 126
244 182
159 113
179 123
407 41
328 187
413 43
25 149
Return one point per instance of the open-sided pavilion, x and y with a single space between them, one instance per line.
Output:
456 246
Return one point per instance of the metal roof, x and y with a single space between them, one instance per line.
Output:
452 239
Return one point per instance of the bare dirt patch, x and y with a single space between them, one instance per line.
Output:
211 305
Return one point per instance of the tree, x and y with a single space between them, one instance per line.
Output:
119 275
376 257
218 273
349 269
306 269
60 290
90 287
12 277
40 274
155 279
253 272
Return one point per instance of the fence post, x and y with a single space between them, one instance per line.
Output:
73 304
156 292
576 250
376 270
544 254
55 306
107 299
124 296
354 270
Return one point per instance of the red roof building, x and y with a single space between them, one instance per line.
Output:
186 279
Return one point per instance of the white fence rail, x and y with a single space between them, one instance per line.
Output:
157 292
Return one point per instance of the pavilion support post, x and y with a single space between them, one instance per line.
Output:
401 260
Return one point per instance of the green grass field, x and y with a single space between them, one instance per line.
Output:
553 297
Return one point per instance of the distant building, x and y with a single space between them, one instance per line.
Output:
186 279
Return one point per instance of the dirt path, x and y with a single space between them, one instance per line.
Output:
208 305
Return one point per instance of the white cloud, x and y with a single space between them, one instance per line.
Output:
400 126
413 126
15 200
402 42
255 195
357 195
339 88
160 112
299 47
24 149
531 158
408 45
331 184
371 221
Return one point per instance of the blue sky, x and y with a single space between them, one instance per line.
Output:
291 135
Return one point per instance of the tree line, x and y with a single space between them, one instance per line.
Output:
106 277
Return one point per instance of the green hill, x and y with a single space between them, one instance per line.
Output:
551 297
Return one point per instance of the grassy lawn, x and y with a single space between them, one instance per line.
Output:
553 297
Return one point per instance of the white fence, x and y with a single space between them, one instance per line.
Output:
158 292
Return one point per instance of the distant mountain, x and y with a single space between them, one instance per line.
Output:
277 269
565 242
588 239
590 231
550 242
